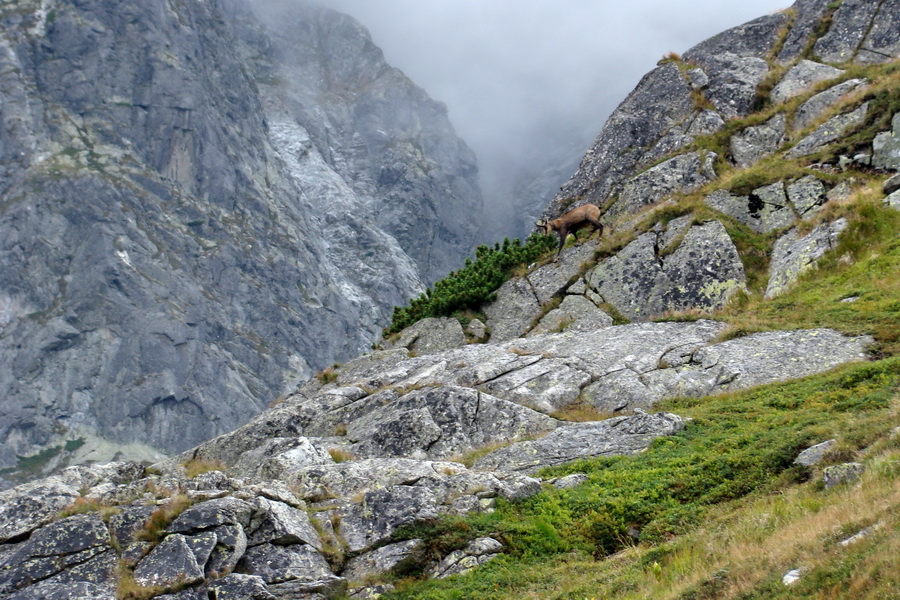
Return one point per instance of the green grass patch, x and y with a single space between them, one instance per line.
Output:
863 266
738 448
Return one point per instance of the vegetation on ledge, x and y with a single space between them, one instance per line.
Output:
473 285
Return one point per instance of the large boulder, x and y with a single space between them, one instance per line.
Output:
801 77
886 147
702 273
829 132
794 255
682 173
613 437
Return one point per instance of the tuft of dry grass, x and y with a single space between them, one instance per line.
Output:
579 412
198 466
155 527
127 588
84 505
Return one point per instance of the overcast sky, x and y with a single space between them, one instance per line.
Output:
524 77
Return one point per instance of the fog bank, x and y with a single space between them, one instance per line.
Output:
531 83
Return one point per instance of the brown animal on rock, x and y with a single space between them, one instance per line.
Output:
572 221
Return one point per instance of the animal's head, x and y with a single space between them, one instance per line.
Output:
544 225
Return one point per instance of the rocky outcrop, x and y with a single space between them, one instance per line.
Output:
201 208
702 272
755 142
613 437
830 131
683 173
794 255
887 147
429 335
656 119
323 486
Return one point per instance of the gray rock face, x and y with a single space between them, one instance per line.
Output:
729 68
813 108
886 147
613 369
387 559
662 98
740 208
172 193
793 255
755 142
683 173
575 313
891 185
807 195
845 473
893 201
278 523
801 77
170 563
814 454
808 14
241 587
277 564
475 554
514 310
703 272
613 437
430 335
861 31
733 82
442 422
829 132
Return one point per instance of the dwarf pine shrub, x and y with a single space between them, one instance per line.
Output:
473 285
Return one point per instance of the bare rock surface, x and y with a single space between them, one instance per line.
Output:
887 147
475 554
613 437
801 77
829 132
575 313
755 142
702 273
793 255
683 173
813 108
429 335
814 454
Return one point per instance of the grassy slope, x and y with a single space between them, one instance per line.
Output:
719 511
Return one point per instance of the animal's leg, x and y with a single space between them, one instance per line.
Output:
563 234
599 227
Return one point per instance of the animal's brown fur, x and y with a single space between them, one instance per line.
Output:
571 222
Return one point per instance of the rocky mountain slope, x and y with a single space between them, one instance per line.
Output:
721 365
201 207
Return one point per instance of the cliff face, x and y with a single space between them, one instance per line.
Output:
200 207
322 495
713 82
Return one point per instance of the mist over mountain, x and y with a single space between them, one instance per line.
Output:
201 207
529 85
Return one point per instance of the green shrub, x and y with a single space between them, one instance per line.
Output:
473 285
